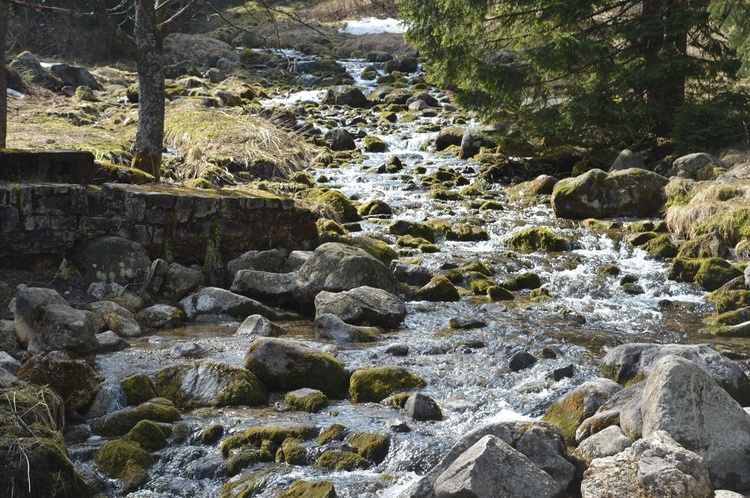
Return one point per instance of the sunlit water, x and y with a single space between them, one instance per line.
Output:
466 370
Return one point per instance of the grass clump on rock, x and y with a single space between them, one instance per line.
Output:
376 384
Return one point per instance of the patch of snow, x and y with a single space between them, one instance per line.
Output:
373 25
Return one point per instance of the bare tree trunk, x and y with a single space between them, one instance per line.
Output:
4 13
149 138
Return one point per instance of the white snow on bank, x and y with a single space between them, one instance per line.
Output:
373 25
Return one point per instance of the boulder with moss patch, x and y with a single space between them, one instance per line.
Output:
715 272
285 365
571 410
439 288
148 435
119 423
413 228
596 194
304 489
255 437
292 452
138 389
370 445
210 383
341 461
381 250
377 383
306 399
541 239
124 460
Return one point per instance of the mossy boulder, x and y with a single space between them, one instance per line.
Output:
340 203
305 399
210 383
147 435
711 245
684 270
379 249
138 389
212 434
119 423
729 299
246 486
292 452
480 285
254 437
370 445
715 272
340 460
524 280
285 365
241 460
375 144
596 194
538 239
304 489
661 247
124 460
440 288
334 432
499 293
375 207
571 410
377 383
403 227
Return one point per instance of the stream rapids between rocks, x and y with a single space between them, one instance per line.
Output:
466 370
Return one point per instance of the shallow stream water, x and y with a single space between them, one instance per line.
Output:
466 370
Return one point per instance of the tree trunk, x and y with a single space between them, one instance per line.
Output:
149 137
4 13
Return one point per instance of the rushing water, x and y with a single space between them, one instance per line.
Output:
466 370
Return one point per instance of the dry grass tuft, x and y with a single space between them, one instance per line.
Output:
713 206
227 146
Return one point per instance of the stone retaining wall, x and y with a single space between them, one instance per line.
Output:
42 222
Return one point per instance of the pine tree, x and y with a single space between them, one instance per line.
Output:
615 73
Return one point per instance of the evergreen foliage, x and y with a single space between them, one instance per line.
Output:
595 73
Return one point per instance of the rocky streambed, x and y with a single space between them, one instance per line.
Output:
445 307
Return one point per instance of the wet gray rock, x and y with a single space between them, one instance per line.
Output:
699 166
8 363
541 443
117 293
627 159
682 399
521 361
180 281
44 321
596 194
398 425
110 341
471 143
332 327
160 316
397 350
449 136
362 306
210 383
339 139
213 303
25 63
491 468
116 318
411 274
346 95
402 65
112 259
418 105
623 409
653 466
420 407
336 267
187 350
295 260
271 261
607 442
109 399
286 365
627 362
276 289
260 325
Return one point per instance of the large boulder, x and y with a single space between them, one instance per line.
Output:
346 95
276 289
699 166
44 321
653 466
74 76
336 267
682 399
272 261
623 409
111 259
596 194
334 328
492 468
116 318
631 363
213 303
286 365
607 442
627 159
33 73
375 384
210 383
362 306
74 380
339 139
180 281
540 443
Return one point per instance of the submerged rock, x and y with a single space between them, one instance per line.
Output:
334 328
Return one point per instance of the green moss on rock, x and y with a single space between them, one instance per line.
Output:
661 247
729 300
370 445
242 460
375 144
567 414
115 458
246 486
138 389
255 436
292 452
119 423
212 434
341 460
375 384
499 293
403 227
305 399
715 272
376 247
541 239
148 435
334 432
304 489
